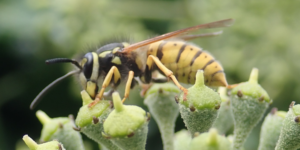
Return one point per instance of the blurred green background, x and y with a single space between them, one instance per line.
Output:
265 35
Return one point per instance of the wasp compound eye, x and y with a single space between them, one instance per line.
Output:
88 65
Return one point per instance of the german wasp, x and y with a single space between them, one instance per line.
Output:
169 53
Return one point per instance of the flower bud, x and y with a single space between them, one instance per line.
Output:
270 129
126 126
59 129
90 121
210 141
289 136
52 145
249 101
200 108
164 109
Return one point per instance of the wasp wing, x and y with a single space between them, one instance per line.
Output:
194 36
216 24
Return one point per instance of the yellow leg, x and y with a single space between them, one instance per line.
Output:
232 86
152 59
117 76
128 84
145 88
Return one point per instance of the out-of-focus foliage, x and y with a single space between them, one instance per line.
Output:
265 35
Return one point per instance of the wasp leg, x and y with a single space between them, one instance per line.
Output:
128 85
149 77
117 77
232 86
109 93
151 60
145 87
159 80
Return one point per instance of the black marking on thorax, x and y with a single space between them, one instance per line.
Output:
128 61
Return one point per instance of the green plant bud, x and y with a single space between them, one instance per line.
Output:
90 120
52 145
60 129
224 121
210 141
126 126
270 130
289 138
182 140
200 108
164 109
249 101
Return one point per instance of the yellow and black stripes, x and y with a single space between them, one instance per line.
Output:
182 48
159 52
175 58
208 63
184 59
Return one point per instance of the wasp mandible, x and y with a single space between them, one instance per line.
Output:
169 53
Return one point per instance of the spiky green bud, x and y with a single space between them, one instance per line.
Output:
200 108
52 145
164 109
60 129
249 101
289 138
182 140
210 141
126 126
90 120
270 129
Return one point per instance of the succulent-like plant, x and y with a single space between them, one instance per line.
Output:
126 126
51 145
289 136
60 129
207 114
90 121
249 101
270 129
200 109
164 109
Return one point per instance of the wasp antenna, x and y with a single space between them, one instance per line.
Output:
47 88
63 60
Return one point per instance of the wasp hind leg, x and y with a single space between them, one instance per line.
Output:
159 80
232 86
151 60
146 87
113 72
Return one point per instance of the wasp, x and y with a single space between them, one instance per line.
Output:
169 53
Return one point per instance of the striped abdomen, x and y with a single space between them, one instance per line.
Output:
184 59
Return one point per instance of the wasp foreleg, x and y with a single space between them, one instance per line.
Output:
151 60
117 77
128 85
